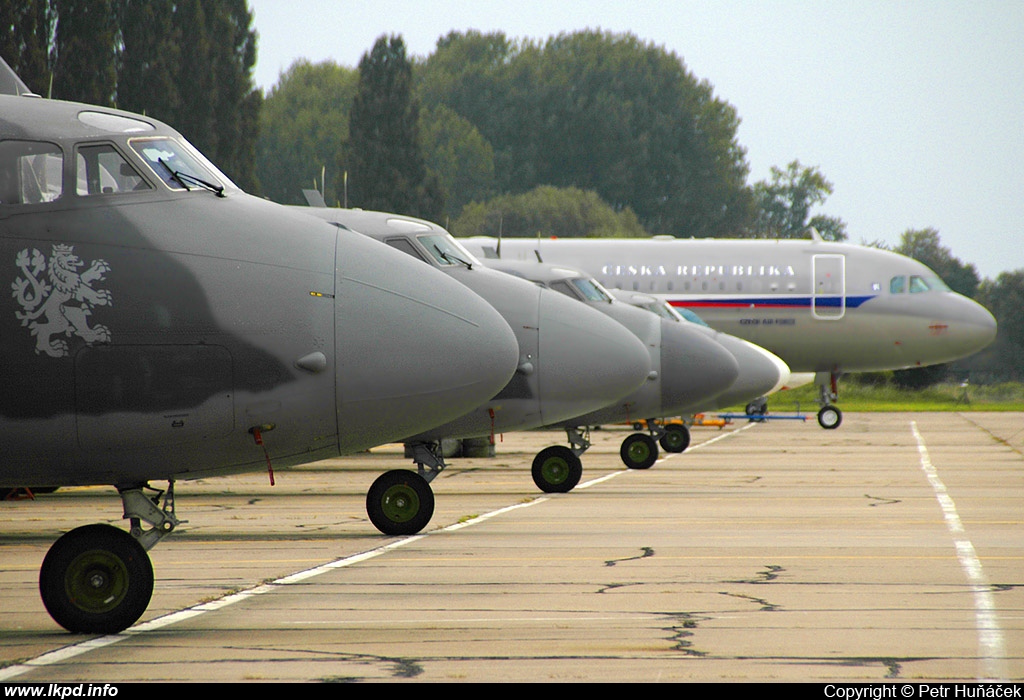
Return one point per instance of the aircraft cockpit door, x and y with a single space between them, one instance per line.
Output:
828 302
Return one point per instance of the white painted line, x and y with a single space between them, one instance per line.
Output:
990 636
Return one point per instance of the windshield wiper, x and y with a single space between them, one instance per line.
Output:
182 177
453 259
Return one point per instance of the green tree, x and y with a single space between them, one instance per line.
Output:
25 29
84 51
147 79
217 105
462 158
924 246
1005 299
547 211
236 102
784 205
196 118
603 112
303 127
384 159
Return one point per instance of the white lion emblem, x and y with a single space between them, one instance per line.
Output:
52 298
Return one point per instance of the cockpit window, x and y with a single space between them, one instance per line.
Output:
591 290
926 284
31 172
100 169
918 284
177 166
445 250
404 245
563 287
690 316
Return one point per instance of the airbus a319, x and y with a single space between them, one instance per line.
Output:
823 307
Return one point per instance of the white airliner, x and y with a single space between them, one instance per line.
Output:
823 307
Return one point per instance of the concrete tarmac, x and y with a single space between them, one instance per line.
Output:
890 549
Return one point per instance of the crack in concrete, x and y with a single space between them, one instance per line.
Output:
647 552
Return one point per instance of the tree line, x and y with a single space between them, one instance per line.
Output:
583 134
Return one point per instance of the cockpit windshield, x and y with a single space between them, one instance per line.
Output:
446 250
178 166
689 316
591 289
917 284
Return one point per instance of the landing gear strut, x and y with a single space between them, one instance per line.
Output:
829 416
98 579
401 502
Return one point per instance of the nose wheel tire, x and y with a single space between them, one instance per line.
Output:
676 438
556 469
400 502
830 417
639 451
96 579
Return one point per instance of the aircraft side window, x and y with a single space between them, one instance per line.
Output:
101 169
898 284
406 246
31 172
565 288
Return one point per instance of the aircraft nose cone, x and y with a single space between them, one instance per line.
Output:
979 326
694 368
958 327
761 372
415 347
588 360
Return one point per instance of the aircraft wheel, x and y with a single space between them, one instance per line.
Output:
400 502
639 451
556 469
675 439
96 579
829 417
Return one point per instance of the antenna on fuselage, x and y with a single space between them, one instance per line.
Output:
815 236
536 251
501 221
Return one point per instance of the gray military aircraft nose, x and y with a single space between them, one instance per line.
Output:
761 372
572 360
410 355
165 325
687 367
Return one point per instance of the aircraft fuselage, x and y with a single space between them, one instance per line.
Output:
820 306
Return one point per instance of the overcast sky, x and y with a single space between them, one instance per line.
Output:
914 110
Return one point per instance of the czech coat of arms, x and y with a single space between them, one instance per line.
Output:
58 299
